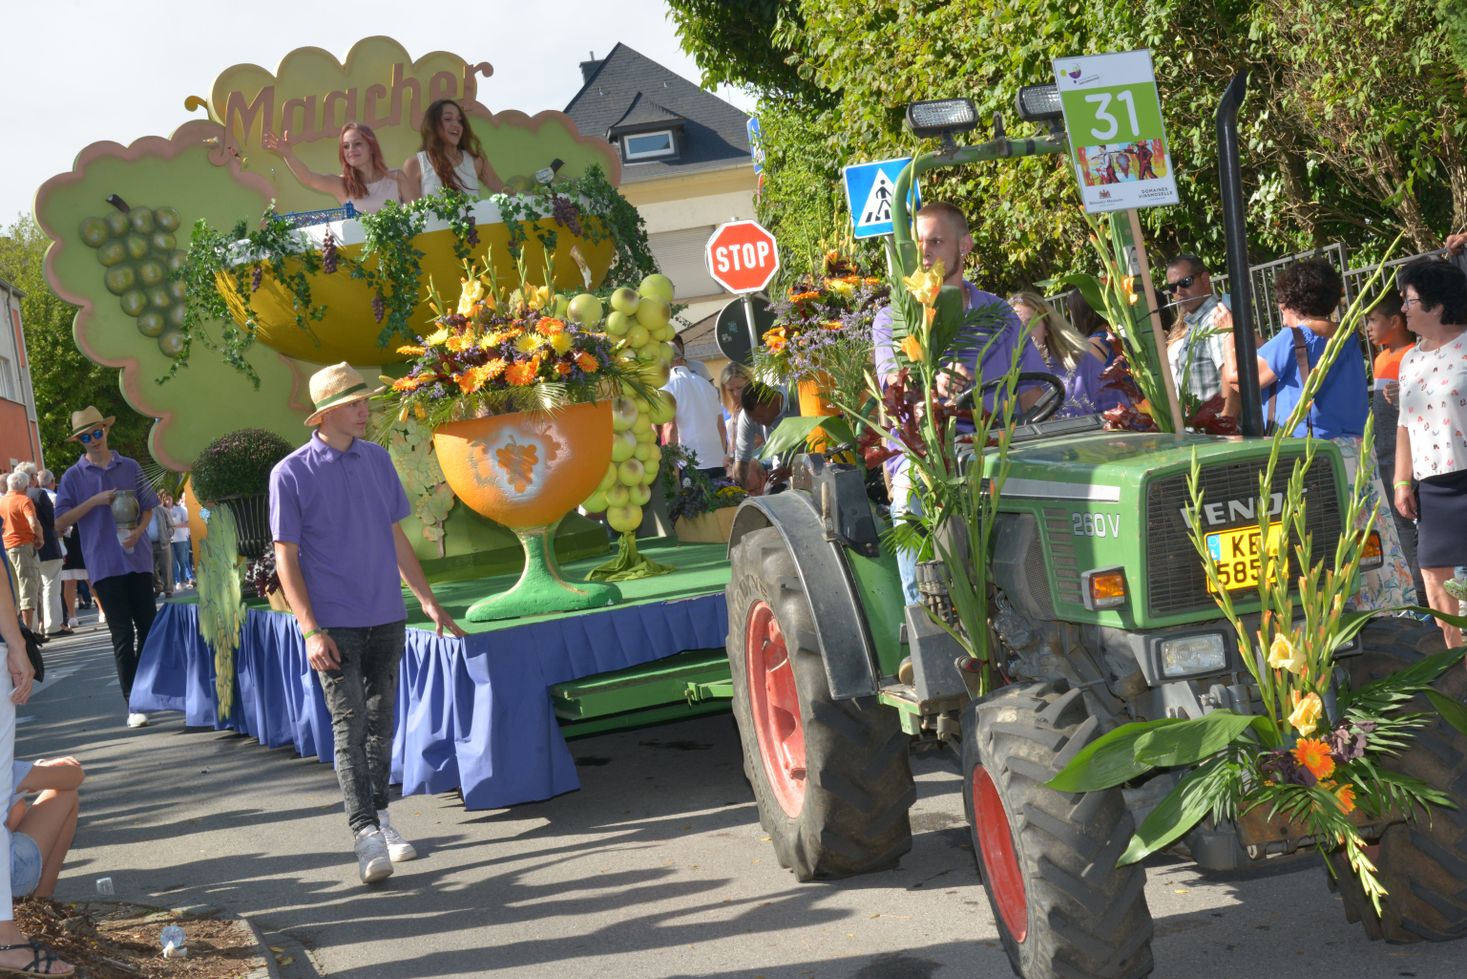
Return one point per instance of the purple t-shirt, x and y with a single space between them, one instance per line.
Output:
340 509
967 347
97 530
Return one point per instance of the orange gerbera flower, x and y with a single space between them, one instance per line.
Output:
831 325
800 297
562 368
495 367
774 343
521 374
460 342
1314 755
1345 796
587 363
549 326
411 351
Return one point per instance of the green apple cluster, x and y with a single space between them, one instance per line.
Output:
640 322
138 247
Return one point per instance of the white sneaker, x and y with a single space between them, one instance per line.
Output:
398 848
71 623
137 720
373 863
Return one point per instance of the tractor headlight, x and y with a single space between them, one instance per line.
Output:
1039 103
941 117
1184 656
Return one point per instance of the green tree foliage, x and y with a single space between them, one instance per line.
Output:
63 379
1355 124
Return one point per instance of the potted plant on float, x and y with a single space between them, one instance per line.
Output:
702 509
233 471
519 400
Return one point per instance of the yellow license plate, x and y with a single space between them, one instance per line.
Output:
1235 555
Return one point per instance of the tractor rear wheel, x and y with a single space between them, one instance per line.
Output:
1421 864
832 778
1047 858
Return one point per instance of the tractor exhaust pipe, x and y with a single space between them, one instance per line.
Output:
1230 179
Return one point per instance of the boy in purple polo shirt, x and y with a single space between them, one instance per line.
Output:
942 235
121 570
335 504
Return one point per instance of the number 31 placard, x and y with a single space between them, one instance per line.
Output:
1117 137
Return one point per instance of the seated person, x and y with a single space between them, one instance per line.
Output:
764 407
451 156
41 832
365 182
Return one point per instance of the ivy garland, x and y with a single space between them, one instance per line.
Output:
587 206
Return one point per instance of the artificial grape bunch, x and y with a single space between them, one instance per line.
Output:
379 307
328 253
566 212
640 323
138 246
472 238
257 277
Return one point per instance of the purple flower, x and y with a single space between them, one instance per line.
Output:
1347 743
1283 767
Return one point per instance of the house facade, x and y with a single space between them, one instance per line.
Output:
685 166
20 436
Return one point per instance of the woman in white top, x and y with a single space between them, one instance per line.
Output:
1431 449
365 182
451 156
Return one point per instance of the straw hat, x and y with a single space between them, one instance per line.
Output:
337 385
86 419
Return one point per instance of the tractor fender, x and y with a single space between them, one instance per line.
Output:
841 633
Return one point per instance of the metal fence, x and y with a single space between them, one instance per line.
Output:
1265 307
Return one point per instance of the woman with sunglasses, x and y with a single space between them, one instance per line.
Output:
1431 450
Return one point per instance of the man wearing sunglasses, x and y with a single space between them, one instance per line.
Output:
121 570
1199 355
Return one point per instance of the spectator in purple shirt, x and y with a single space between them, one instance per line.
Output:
942 235
121 570
335 504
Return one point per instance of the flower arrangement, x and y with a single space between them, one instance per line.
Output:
690 492
817 316
1316 755
500 351
237 464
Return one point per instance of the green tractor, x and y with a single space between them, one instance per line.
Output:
1100 614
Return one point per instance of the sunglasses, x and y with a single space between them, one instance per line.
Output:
1408 303
94 434
1186 283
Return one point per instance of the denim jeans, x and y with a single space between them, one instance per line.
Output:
130 606
183 561
904 501
362 697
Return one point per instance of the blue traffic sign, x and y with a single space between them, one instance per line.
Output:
869 191
756 144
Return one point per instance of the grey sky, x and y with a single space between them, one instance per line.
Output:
78 71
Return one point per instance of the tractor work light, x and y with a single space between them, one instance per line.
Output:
941 117
1103 588
1371 556
1039 103
1206 653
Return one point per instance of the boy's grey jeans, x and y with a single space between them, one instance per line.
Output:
362 697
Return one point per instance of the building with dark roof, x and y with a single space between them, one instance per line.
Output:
685 166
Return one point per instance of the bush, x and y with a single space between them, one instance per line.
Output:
238 464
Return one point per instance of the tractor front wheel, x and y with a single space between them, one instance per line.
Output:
1047 858
832 778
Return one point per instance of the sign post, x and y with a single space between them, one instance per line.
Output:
742 257
1118 147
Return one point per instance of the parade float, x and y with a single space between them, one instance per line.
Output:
216 270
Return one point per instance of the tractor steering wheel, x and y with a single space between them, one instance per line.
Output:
1049 402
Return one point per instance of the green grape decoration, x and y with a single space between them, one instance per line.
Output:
138 247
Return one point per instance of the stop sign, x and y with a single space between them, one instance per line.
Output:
741 256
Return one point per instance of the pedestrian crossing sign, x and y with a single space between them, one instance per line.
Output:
869 191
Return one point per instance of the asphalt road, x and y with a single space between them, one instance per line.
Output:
656 868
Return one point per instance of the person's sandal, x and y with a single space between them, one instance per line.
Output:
42 960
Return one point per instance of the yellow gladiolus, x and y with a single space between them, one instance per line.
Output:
925 284
471 292
1308 709
912 347
1284 655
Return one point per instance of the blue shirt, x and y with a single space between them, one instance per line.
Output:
340 508
97 530
1339 407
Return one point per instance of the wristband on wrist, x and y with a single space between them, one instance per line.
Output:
1403 482
313 632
